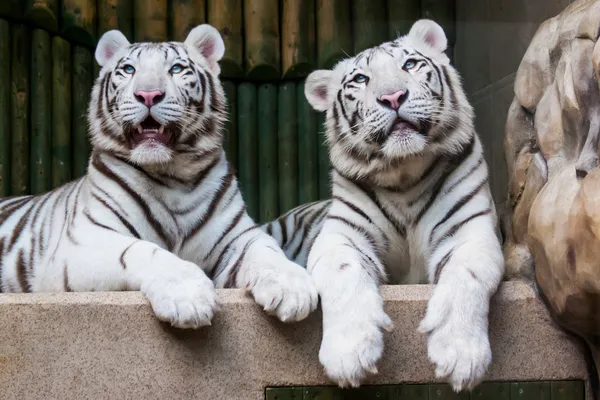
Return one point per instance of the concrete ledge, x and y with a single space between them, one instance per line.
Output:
110 346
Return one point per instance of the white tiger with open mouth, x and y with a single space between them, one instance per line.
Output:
159 209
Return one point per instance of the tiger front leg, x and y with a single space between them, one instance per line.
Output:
347 274
467 268
179 291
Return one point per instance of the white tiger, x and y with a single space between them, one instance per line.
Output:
160 209
411 204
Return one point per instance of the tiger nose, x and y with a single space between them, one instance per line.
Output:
149 98
393 100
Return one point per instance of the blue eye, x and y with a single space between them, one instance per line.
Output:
410 64
128 69
177 68
360 78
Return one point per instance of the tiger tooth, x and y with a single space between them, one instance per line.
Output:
161 130
140 130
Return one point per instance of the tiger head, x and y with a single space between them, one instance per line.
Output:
392 103
157 103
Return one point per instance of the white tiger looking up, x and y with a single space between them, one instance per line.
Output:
160 209
411 204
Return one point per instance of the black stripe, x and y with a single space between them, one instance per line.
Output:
122 258
226 248
1 261
22 277
456 227
93 221
379 276
341 103
353 208
125 223
305 231
16 233
467 174
355 227
233 272
229 228
440 265
400 228
283 229
66 286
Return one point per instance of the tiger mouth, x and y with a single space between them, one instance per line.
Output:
402 127
149 130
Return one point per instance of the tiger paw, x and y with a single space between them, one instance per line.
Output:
185 299
287 291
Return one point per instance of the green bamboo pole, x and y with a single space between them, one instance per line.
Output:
231 129
323 156
5 130
80 94
115 14
298 38
21 50
261 23
226 16
444 13
369 23
79 21
61 112
185 16
11 8
150 20
41 111
267 152
248 145
334 32
287 113
308 148
401 15
42 13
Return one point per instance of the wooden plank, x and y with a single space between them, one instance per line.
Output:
267 153
323 393
334 32
231 131
530 391
248 143
78 20
5 128
116 14
297 38
401 16
81 88
369 24
261 23
408 392
323 159
61 112
150 20
20 55
11 8
287 113
42 13
226 16
308 147
284 393
185 16
445 392
491 391
41 111
567 390
444 13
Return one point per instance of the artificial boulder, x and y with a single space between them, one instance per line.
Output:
551 148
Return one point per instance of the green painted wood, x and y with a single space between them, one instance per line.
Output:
61 112
323 393
284 393
401 15
115 14
150 23
369 24
20 56
78 21
408 392
185 15
297 38
444 13
11 8
41 112
5 122
226 16
491 391
567 390
334 32
231 131
248 145
261 24
42 13
81 87
323 157
267 153
287 114
308 147
445 392
530 391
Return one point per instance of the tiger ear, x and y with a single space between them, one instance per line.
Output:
431 33
207 41
316 89
108 45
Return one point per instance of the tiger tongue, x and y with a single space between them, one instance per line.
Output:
143 134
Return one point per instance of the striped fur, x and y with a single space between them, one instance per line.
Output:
411 204
160 214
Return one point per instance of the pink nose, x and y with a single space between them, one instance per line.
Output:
149 98
394 100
